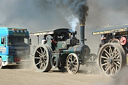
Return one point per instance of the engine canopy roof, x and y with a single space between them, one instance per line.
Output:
110 29
52 32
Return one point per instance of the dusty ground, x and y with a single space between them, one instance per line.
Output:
54 77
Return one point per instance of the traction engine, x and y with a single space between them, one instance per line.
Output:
61 49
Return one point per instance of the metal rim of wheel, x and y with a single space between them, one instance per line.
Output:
72 63
0 63
111 59
42 58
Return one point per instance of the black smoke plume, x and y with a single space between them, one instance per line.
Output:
77 7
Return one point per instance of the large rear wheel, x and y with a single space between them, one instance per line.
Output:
111 59
42 58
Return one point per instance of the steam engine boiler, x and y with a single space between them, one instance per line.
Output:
61 49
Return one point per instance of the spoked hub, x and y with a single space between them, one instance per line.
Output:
42 58
111 59
72 63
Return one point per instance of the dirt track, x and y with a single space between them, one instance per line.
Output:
32 77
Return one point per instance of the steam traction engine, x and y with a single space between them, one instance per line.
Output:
61 49
113 50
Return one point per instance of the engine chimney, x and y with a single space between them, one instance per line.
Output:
82 28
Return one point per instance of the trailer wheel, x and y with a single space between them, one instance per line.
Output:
72 63
0 63
42 58
111 59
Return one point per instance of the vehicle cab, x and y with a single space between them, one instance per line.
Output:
14 45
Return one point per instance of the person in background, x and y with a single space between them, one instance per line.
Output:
105 38
44 41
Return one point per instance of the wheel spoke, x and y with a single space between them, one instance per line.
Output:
44 53
117 56
108 68
73 58
104 64
69 62
105 60
111 69
41 50
37 58
108 64
45 58
104 57
70 58
114 52
74 61
116 64
38 62
117 60
107 52
44 64
41 66
107 55
39 53
69 65
116 67
110 50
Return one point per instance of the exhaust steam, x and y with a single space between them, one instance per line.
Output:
72 21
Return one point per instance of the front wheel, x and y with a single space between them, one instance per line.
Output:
72 63
111 59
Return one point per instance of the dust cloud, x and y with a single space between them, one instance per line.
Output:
121 79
